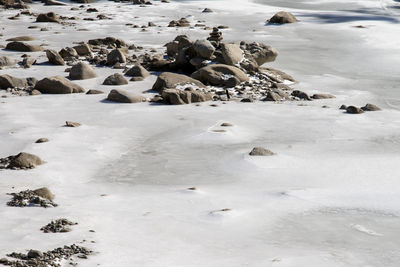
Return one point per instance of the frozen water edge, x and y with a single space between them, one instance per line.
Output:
332 170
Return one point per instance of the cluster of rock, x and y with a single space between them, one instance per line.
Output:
48 258
58 226
41 197
357 110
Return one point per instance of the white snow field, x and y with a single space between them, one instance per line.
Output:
330 197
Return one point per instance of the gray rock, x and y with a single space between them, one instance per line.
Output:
260 151
231 53
58 85
32 254
68 52
115 79
370 107
301 95
354 110
180 97
21 39
115 56
48 17
322 96
260 53
138 73
44 192
8 81
283 17
42 140
169 80
122 96
83 49
204 48
27 62
6 61
54 58
23 47
82 71
72 124
25 161
94 92
219 75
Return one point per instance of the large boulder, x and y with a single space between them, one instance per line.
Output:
115 56
6 61
204 48
54 57
172 80
231 53
260 53
115 79
25 161
180 97
283 17
123 96
138 73
82 71
23 47
83 49
68 53
58 85
220 75
48 17
8 81
44 192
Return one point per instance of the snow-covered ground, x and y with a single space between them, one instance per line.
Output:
328 198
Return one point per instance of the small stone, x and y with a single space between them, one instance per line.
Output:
371 107
42 140
33 254
260 151
354 110
94 92
72 124
226 124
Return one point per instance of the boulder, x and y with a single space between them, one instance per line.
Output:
260 151
115 56
83 49
283 17
122 96
260 53
68 52
72 124
21 39
54 57
115 79
27 62
220 75
25 161
8 81
322 96
231 53
138 73
180 97
301 95
6 61
204 48
94 92
48 17
354 110
172 80
108 41
42 140
370 107
58 85
44 192
23 47
278 76
82 71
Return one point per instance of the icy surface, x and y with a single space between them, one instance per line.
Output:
328 198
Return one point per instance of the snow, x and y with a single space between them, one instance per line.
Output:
328 198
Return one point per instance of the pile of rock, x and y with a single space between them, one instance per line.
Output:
58 226
41 197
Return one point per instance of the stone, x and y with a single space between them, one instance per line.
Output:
44 192
220 75
354 110
343 107
83 49
204 48
94 92
32 254
283 17
180 97
8 81
169 80
108 41
72 124
6 61
138 73
48 17
25 161
54 57
21 39
277 76
82 71
231 53
301 95
58 85
226 124
54 3
115 56
27 62
322 96
370 107
207 10
260 151
123 96
68 52
115 79
23 47
259 52
42 140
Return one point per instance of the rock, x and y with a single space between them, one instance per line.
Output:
301 95
343 107
8 81
48 17
180 97
82 71
231 53
322 96
54 58
115 56
260 151
32 254
35 92
204 48
23 47
260 53
58 85
21 39
275 96
226 124
69 52
94 92
42 140
370 107
138 73
276 75
354 110
207 10
215 36
108 41
115 79
283 17
122 96
83 50
54 3
169 80
220 75
25 161
6 61
44 192
72 124
27 62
